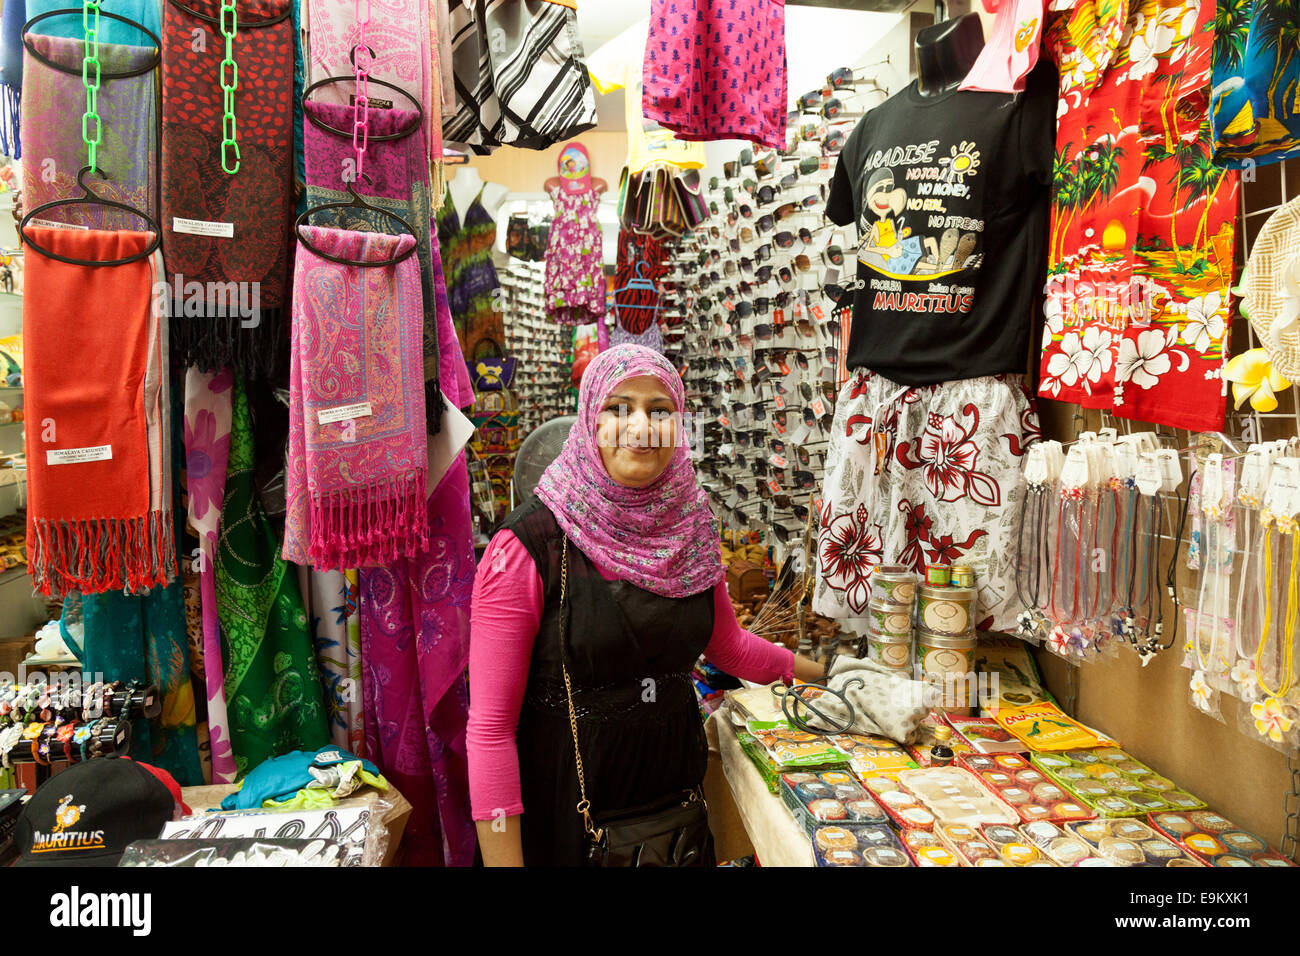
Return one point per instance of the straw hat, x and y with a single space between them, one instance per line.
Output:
1272 290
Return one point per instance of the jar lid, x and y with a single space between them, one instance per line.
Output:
939 593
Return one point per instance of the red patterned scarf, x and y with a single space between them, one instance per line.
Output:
226 237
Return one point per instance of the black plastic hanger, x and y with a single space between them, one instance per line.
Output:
357 202
89 198
347 133
104 74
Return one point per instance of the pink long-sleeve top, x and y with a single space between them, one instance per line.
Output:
506 613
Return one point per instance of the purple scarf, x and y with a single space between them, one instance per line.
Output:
661 537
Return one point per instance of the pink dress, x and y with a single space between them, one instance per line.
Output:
575 278
715 69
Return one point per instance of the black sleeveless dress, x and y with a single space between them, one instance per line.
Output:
630 655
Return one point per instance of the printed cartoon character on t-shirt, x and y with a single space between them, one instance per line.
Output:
881 225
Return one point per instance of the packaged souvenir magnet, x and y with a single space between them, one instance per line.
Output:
1112 783
954 795
890 650
1130 843
1208 836
890 620
853 845
893 584
901 804
946 610
927 850
874 756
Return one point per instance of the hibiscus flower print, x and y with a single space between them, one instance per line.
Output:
1148 46
1206 322
1142 360
948 456
850 548
1082 358
202 450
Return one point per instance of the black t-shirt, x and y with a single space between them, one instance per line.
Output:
950 196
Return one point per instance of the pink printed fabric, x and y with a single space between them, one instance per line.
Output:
507 611
207 451
356 485
1012 48
575 278
662 537
402 36
716 69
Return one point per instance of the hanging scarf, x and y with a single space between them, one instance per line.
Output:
415 647
207 451
128 115
398 185
143 638
399 34
272 685
11 76
230 282
96 388
357 454
332 605
661 537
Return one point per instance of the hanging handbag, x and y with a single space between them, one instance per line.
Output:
671 832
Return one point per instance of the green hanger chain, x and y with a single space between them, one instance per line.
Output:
90 58
229 83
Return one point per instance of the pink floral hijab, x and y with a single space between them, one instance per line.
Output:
661 537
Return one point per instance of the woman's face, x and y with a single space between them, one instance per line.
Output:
636 431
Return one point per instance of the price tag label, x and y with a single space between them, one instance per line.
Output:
724 421
779 401
1148 475
778 316
726 328
818 407
1036 466
774 486
817 313
778 461
778 427
760 370
1171 469
1252 477
1212 487
1075 472
1283 496
729 305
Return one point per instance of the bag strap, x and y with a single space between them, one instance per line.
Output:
584 805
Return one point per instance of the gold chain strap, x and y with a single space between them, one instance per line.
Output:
584 805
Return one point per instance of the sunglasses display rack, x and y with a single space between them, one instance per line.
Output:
543 350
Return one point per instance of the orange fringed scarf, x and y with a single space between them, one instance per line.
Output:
97 409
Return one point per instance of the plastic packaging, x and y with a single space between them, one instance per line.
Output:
1026 789
1114 784
927 849
967 843
235 852
1063 848
837 845
954 795
900 803
833 796
1208 836
1130 843
893 584
871 756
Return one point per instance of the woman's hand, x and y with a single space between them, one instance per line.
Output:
808 670
501 841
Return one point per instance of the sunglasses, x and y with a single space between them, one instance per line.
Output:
834 141
729 169
763 252
765 224
833 256
746 211
785 210
784 239
767 193
763 274
788 180
810 164
810 100
764 166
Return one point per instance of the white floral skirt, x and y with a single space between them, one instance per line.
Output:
924 475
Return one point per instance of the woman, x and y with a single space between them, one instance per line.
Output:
646 595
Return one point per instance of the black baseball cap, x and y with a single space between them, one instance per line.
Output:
87 814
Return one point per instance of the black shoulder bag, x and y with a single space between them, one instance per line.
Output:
672 832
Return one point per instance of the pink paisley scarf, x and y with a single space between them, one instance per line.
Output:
207 450
356 465
662 537
404 39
